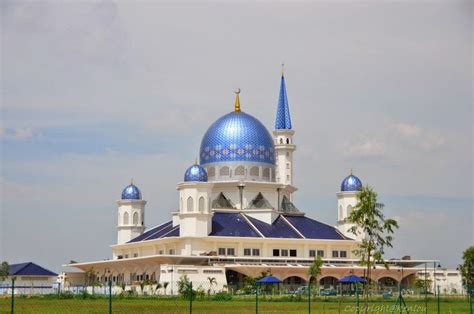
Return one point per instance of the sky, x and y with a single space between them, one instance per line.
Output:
95 93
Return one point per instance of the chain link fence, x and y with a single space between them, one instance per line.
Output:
205 297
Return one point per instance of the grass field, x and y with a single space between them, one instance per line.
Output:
173 305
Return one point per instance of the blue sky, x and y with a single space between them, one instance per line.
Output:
96 93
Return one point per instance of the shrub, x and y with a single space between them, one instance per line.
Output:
222 296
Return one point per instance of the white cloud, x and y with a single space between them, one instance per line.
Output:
408 130
19 134
365 147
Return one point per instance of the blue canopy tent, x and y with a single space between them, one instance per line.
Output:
269 279
352 279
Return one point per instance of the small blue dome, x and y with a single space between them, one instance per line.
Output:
131 192
195 173
351 184
237 136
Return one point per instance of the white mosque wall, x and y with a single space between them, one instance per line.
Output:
196 246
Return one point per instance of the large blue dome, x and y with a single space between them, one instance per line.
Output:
237 136
195 173
131 192
351 184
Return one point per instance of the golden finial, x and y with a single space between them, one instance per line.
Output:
282 69
237 100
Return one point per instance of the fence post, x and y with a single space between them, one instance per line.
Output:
438 298
13 296
469 288
190 297
256 298
357 297
110 297
309 296
59 289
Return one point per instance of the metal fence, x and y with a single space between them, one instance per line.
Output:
203 297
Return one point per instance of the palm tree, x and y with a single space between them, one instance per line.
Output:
376 230
165 285
212 281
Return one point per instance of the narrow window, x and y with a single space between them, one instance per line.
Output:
293 253
287 165
247 252
224 171
335 253
312 253
287 141
221 251
256 252
276 252
343 254
211 172
231 251
240 171
201 204
266 173
254 171
125 218
190 204
281 141
284 252
135 218
321 253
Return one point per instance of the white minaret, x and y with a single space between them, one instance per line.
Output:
195 217
283 136
131 214
346 202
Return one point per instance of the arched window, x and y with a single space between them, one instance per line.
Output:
224 171
135 218
239 171
125 218
211 172
287 154
349 210
287 141
266 173
254 171
340 212
201 204
281 141
190 204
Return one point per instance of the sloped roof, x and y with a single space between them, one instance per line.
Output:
29 269
232 225
160 231
278 229
235 224
313 229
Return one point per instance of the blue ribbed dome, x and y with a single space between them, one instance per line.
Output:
237 136
195 173
131 192
351 184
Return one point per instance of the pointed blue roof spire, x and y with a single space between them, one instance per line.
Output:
283 120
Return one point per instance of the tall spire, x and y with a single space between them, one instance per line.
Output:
237 100
283 120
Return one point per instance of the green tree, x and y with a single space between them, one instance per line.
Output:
421 283
467 268
165 285
315 269
376 232
212 281
4 270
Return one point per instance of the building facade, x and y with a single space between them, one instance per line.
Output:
236 216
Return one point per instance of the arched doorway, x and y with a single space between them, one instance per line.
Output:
292 283
387 283
235 280
328 282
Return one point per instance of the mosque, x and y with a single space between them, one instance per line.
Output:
237 217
